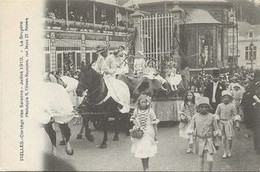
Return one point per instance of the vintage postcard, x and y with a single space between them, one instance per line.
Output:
130 85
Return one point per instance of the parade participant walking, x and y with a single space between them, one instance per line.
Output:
256 97
187 112
204 128
145 119
247 105
237 94
194 90
139 63
226 113
213 90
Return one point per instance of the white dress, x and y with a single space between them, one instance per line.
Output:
56 104
151 74
145 147
139 65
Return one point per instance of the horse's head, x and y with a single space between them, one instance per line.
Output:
88 80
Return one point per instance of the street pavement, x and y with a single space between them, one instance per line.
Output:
171 154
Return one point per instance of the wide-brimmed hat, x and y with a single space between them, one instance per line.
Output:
100 49
236 85
226 93
122 46
151 62
203 100
140 53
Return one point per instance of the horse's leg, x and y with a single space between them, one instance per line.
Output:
127 125
66 130
62 142
116 126
52 134
88 134
79 135
105 124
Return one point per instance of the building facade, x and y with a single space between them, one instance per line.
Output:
206 31
249 45
74 28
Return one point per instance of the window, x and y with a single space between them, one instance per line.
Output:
248 53
87 58
59 61
47 62
250 34
94 57
254 53
78 60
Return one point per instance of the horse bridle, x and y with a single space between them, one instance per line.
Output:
87 98
93 92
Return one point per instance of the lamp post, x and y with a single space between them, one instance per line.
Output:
251 54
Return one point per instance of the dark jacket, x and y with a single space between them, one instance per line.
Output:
209 92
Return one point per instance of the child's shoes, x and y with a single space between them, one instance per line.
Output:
189 151
224 156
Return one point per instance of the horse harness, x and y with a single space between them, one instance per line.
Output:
97 96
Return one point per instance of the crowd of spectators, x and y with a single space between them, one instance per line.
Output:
104 21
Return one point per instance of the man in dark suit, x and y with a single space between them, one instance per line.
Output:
213 90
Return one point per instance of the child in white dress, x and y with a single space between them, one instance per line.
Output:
139 63
151 72
204 128
187 112
227 115
145 118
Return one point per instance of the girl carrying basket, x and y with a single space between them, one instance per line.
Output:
145 119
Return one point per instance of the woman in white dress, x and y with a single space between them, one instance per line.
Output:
139 63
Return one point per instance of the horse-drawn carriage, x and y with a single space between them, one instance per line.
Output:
107 97
164 104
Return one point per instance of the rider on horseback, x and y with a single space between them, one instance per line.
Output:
105 64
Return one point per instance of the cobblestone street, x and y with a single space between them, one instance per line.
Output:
171 153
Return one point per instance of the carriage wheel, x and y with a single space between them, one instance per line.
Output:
97 124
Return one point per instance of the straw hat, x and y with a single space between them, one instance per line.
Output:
140 53
226 92
203 100
100 49
236 85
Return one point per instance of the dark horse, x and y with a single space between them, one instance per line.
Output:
94 82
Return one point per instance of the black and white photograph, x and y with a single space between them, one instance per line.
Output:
130 85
